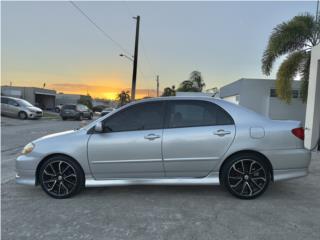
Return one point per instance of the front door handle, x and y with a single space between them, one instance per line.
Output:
151 136
222 133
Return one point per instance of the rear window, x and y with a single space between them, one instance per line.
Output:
72 107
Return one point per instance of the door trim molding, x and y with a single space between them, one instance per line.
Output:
127 161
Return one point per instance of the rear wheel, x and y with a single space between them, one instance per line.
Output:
61 177
245 176
22 115
64 118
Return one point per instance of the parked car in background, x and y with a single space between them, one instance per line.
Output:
106 111
75 111
57 109
169 141
16 107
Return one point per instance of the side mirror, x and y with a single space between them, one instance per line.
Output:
98 127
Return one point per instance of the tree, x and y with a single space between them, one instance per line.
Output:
169 91
195 83
123 98
86 100
293 38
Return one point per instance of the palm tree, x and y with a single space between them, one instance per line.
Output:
169 91
194 84
197 79
123 98
294 38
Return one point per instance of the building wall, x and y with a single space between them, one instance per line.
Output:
29 94
255 95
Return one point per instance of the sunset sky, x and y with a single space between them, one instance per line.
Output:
52 43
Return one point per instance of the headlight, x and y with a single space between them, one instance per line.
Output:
28 148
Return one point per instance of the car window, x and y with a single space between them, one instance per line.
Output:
4 100
24 103
12 102
142 116
71 107
196 113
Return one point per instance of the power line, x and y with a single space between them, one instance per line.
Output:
98 27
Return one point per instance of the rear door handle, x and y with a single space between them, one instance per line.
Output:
151 136
222 133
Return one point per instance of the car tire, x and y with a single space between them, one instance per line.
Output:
57 110
64 118
61 177
90 116
245 176
22 115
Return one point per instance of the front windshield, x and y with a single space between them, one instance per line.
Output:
24 103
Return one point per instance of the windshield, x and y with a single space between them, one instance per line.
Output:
24 103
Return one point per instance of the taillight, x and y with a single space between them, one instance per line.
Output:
298 132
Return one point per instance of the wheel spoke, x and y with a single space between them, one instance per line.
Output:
69 181
53 185
49 181
243 187
237 184
259 178
71 175
59 166
254 182
250 169
49 174
243 170
65 187
238 171
249 188
64 170
53 170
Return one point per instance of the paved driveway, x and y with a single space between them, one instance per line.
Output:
288 210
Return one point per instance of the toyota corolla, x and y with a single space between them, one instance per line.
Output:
169 141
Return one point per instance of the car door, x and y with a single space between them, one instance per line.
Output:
196 136
13 107
130 146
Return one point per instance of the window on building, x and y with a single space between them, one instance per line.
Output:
273 93
295 93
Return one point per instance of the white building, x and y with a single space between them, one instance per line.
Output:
260 96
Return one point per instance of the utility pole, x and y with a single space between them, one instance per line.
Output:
157 85
135 60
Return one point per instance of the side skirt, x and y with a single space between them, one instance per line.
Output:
211 179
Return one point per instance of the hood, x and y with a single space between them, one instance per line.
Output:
34 109
55 135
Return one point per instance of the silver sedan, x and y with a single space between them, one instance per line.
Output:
170 141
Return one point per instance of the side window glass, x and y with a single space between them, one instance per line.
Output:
192 113
12 103
142 116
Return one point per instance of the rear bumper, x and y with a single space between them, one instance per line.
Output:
279 175
286 159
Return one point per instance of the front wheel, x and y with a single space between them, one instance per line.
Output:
245 177
23 115
60 177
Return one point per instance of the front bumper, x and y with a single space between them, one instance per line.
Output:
26 170
33 115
